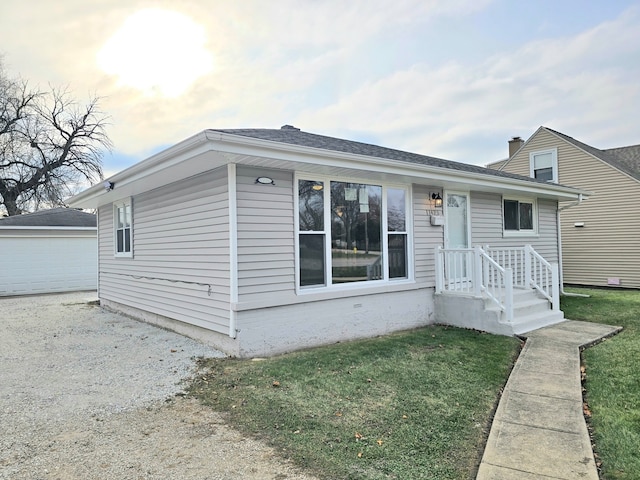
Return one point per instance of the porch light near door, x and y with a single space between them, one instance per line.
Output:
436 200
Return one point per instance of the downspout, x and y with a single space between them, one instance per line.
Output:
233 250
558 226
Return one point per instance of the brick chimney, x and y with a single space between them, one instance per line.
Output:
514 145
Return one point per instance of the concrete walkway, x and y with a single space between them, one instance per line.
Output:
539 429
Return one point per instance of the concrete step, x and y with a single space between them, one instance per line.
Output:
523 307
525 302
527 323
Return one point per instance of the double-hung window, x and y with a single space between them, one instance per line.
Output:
519 216
122 219
543 165
351 232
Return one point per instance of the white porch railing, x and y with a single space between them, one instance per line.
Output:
494 272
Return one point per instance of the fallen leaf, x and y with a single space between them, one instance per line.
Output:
276 383
338 414
379 442
358 436
173 350
359 454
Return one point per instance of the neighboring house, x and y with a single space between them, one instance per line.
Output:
261 241
600 237
48 251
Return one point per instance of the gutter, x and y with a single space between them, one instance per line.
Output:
558 226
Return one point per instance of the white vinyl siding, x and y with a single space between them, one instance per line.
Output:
266 270
426 236
181 265
486 225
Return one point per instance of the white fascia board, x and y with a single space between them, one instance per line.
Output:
96 195
435 175
211 140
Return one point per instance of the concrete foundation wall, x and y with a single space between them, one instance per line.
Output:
276 330
270 331
468 312
219 341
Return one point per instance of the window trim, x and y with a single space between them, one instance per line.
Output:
554 163
345 287
534 212
127 202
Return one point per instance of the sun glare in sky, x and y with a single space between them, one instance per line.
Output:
159 52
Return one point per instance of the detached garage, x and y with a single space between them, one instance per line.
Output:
48 251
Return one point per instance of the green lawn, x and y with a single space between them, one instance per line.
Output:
413 405
613 378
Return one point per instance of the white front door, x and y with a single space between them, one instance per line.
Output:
457 231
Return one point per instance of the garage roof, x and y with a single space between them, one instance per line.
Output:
55 217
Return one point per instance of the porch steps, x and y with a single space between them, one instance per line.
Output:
531 311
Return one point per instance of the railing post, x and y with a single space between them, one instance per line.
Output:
477 271
508 294
555 279
528 280
439 269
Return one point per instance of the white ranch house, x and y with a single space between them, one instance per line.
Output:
261 241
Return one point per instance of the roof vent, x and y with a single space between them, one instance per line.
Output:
289 127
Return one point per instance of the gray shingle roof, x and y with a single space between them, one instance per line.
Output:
294 136
55 217
626 159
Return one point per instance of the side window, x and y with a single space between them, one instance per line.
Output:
312 237
397 232
122 227
543 165
519 216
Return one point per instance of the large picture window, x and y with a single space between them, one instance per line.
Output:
351 232
122 227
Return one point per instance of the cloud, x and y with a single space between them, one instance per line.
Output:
577 85
362 69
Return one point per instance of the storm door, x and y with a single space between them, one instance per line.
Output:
457 235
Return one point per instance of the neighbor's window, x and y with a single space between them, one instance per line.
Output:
122 227
543 165
519 216
340 232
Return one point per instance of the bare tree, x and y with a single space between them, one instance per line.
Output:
49 145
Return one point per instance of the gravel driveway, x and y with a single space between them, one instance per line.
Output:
89 394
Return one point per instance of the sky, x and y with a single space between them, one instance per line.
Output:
454 79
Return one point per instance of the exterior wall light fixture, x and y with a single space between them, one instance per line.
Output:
436 200
265 181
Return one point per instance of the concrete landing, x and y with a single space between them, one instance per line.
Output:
539 429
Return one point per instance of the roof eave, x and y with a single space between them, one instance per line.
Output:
243 145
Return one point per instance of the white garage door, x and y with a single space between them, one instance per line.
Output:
47 264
